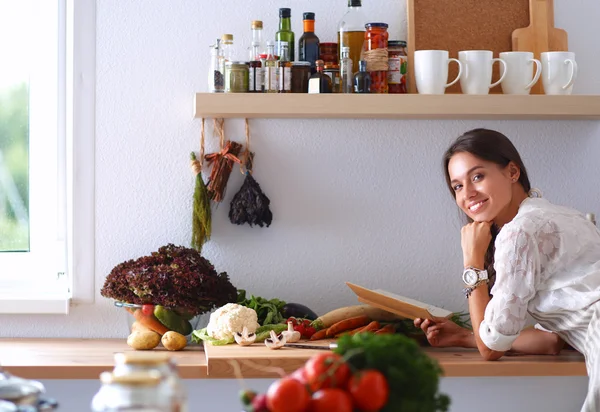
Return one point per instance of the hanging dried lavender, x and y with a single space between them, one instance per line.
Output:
250 205
201 214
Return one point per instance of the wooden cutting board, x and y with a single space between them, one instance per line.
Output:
256 360
540 36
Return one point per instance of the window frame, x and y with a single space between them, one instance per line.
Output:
76 171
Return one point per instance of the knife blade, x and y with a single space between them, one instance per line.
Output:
301 346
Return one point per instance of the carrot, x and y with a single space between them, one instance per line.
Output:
347 324
389 328
349 332
149 322
320 334
371 327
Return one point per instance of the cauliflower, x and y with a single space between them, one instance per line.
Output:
229 319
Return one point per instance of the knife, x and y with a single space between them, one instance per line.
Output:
301 346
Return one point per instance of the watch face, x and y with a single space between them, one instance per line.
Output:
470 277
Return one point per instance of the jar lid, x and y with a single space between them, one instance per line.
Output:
382 25
257 24
396 43
142 358
227 38
236 63
328 44
149 378
307 64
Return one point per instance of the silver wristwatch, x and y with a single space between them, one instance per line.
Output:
473 276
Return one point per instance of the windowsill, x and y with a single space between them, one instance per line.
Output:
34 305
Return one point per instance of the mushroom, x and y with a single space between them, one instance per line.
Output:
290 334
244 338
275 342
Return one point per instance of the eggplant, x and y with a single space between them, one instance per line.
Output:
297 310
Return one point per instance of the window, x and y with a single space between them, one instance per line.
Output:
46 98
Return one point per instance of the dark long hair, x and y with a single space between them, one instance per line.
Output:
496 148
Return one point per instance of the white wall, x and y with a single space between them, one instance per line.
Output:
360 201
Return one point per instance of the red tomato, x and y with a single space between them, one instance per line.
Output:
331 400
300 375
287 395
369 390
148 310
320 366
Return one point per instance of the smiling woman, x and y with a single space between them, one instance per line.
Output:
545 258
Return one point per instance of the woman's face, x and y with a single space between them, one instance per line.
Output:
483 189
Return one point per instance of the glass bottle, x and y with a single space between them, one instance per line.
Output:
284 71
135 391
346 74
227 48
285 32
319 82
131 362
256 47
362 79
270 71
216 83
308 45
351 32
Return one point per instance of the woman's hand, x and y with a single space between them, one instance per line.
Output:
475 240
443 333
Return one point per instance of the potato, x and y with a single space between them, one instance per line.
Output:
174 341
141 340
138 327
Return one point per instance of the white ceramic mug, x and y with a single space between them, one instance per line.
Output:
477 71
431 71
559 72
519 69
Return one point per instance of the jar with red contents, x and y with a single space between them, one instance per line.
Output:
376 55
398 66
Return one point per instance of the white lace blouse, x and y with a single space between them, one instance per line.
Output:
547 260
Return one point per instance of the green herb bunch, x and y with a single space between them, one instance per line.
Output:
413 377
269 311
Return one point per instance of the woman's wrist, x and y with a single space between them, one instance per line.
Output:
472 261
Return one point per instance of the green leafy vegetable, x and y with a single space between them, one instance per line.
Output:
199 336
264 331
269 311
413 377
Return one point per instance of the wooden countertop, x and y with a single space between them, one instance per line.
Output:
82 358
87 358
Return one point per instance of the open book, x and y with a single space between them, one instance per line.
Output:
400 305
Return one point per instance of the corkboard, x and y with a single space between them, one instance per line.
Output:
456 25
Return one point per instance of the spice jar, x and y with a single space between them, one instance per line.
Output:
398 66
328 52
333 71
376 55
256 77
236 77
301 73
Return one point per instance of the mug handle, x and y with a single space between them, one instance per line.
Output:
503 63
574 70
538 72
460 70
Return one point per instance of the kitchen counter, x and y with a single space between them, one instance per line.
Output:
86 359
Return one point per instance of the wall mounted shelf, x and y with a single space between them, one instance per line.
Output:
407 106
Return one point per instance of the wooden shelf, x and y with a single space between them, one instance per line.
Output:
407 106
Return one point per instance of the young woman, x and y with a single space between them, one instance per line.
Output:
541 259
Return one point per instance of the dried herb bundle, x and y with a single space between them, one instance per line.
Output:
221 169
174 277
250 205
201 215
